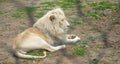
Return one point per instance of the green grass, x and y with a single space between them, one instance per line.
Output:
91 38
84 43
63 4
39 15
4 0
79 51
4 12
31 9
99 7
48 3
100 46
19 13
101 36
116 23
45 6
102 5
93 14
1 12
80 22
93 29
35 53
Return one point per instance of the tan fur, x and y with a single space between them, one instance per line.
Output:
47 30
29 33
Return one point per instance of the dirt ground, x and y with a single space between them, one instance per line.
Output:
106 49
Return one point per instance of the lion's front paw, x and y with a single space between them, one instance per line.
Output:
73 38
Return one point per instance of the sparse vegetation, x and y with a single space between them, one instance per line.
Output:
94 61
93 14
39 15
3 1
79 51
116 23
31 9
98 8
93 29
84 43
19 13
91 38
101 36
3 12
102 5
63 4
35 52
79 22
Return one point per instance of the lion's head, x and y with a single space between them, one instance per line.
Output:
54 22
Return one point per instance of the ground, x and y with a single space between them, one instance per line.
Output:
99 30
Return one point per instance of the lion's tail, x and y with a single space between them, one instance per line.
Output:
21 55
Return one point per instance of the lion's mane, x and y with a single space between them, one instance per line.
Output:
53 23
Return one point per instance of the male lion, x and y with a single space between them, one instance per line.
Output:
51 28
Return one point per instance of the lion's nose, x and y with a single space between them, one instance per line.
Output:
67 24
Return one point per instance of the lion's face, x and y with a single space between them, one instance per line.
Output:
58 19
54 23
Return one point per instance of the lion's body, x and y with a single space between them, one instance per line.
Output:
48 29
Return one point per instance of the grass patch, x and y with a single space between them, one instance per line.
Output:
84 43
91 38
67 4
80 22
94 29
79 51
116 23
39 15
101 36
93 14
63 4
35 53
99 7
46 8
31 9
48 3
3 0
103 5
3 12
19 13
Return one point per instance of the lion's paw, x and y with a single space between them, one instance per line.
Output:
73 38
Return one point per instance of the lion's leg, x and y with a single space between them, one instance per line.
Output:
55 48
38 43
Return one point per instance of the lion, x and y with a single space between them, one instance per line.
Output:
50 28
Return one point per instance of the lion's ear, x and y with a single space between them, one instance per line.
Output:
52 17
